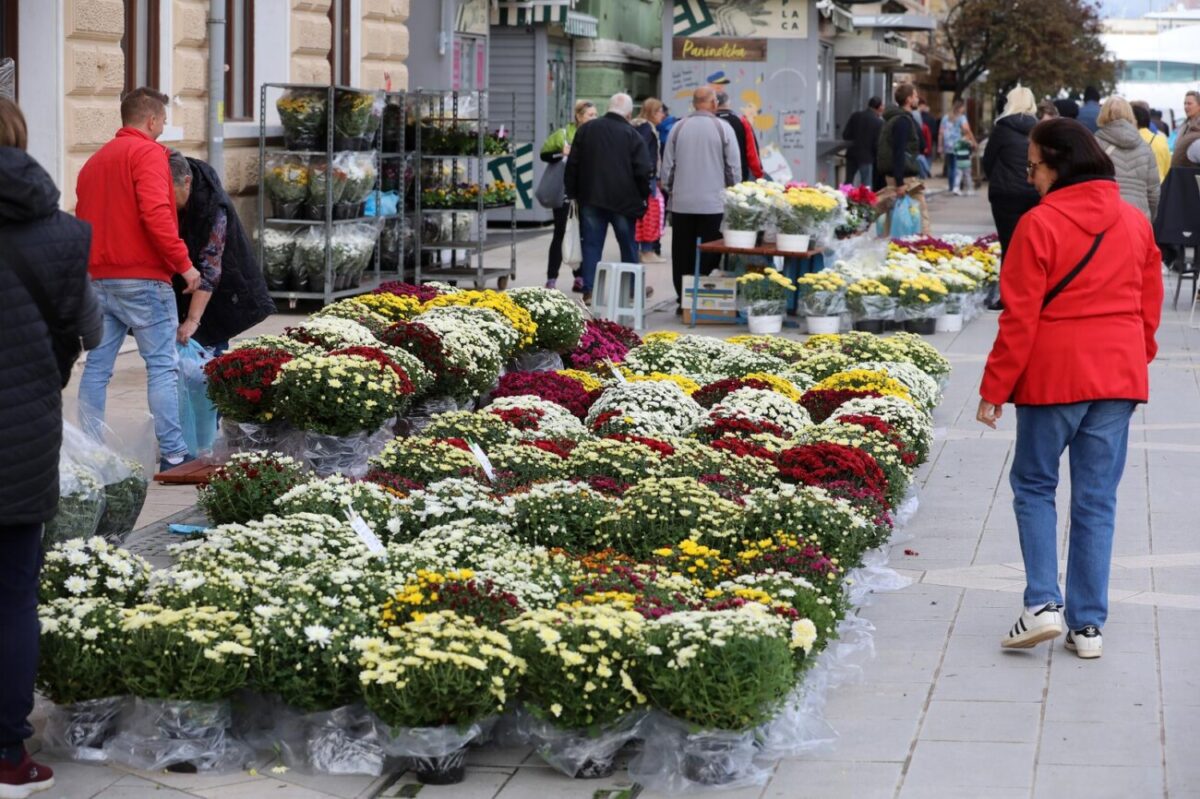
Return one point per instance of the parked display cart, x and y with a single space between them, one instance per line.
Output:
460 139
315 240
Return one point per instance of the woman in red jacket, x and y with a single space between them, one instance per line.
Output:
1082 293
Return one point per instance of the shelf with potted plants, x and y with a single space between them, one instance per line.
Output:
319 193
456 135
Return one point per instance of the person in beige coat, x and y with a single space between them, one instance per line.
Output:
1137 170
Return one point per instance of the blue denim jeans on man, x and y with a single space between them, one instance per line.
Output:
1096 436
593 229
147 307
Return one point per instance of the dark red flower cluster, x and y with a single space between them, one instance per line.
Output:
418 340
988 240
394 482
562 447
715 392
550 386
604 418
456 442
821 463
520 418
882 426
723 425
727 487
649 599
602 341
380 357
240 381
480 599
400 289
663 449
861 195
867 501
926 243
805 559
822 402
609 486
736 602
742 448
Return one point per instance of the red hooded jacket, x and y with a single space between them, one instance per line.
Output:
1096 338
125 192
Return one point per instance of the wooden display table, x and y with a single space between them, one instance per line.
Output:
794 264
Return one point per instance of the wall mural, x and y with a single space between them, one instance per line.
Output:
768 19
516 169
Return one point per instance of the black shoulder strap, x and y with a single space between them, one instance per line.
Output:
1074 273
37 292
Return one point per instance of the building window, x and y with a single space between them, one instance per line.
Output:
826 73
239 58
339 46
140 44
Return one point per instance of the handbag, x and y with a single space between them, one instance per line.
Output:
551 191
572 249
67 345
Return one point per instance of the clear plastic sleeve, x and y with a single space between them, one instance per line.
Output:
361 174
339 741
79 731
80 504
436 754
286 179
122 476
304 114
279 248
308 262
823 303
249 437
421 415
674 760
904 313
873 307
579 753
345 455
536 361
156 734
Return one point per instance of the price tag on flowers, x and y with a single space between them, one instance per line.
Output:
364 532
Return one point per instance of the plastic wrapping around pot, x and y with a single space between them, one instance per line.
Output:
674 760
286 179
279 247
823 303
873 308
340 741
874 577
157 733
360 176
80 505
304 114
436 754
420 416
345 455
903 513
579 754
800 726
308 258
323 178
536 361
79 731
905 313
249 436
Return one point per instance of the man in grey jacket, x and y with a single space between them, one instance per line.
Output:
700 159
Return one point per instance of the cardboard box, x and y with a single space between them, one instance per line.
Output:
716 297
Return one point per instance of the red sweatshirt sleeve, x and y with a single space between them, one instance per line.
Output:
156 206
1152 297
752 159
1022 289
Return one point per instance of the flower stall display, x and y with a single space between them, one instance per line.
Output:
800 213
922 300
747 208
871 304
77 672
246 487
80 504
959 288
304 114
651 408
336 496
861 210
559 321
764 296
92 568
286 178
356 118
823 299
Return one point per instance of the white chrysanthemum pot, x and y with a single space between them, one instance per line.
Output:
949 323
823 324
765 325
792 242
741 239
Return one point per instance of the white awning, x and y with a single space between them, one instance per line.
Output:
896 22
862 48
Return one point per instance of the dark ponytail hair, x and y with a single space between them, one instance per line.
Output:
1070 149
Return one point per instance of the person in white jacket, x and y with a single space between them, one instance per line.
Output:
700 160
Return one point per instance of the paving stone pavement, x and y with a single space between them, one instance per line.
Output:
941 711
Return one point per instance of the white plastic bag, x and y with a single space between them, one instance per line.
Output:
572 248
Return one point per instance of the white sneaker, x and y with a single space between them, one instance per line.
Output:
1086 643
1033 628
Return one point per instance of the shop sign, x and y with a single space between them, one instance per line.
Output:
711 48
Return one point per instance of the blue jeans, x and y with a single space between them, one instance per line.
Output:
593 229
864 175
951 167
923 165
147 307
1096 435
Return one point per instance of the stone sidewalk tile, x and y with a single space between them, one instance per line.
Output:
1125 742
128 787
957 767
1098 781
827 780
1002 722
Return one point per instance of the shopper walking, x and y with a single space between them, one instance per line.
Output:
1157 141
1082 293
954 127
557 148
45 296
649 228
1089 112
608 174
1004 163
125 192
861 134
744 131
1188 132
899 145
1136 169
1046 110
233 296
700 160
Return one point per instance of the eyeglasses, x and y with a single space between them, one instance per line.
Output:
1031 167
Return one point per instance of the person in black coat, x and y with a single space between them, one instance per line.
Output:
1005 162
233 293
608 174
862 134
51 248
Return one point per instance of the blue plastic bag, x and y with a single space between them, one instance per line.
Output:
389 204
197 415
906 219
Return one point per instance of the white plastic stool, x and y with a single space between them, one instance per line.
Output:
619 292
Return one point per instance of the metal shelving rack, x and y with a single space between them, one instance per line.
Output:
328 294
396 151
440 109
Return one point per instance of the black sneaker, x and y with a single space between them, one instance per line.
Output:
1086 643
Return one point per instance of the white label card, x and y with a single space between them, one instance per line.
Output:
365 533
483 459
616 372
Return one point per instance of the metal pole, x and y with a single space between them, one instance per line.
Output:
216 86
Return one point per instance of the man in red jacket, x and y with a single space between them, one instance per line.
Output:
125 192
